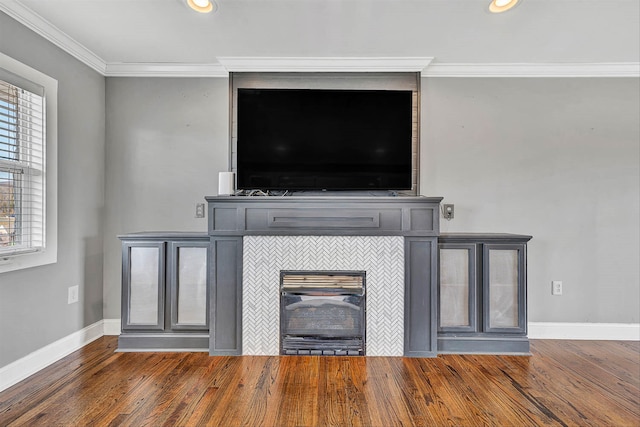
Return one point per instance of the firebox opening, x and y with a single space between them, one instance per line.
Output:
322 313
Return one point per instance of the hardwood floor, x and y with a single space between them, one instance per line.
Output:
577 383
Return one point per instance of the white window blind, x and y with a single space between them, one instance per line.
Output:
22 170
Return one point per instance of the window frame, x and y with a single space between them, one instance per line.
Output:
27 77
22 164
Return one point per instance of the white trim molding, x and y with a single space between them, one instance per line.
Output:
325 64
617 69
584 331
371 64
112 326
164 70
30 364
424 65
50 32
50 86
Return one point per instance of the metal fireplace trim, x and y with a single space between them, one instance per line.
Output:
324 345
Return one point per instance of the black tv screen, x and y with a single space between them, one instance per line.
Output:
312 139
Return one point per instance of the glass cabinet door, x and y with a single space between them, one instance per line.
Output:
504 293
143 279
457 288
188 272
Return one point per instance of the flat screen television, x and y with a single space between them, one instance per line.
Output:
324 140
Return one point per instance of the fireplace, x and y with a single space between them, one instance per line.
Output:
379 258
322 313
392 239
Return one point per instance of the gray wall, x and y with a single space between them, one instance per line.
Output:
555 158
33 302
167 139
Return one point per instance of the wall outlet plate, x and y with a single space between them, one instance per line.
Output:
556 287
72 294
199 210
447 211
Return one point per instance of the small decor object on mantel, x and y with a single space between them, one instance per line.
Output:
226 183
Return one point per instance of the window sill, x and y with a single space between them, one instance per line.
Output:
27 260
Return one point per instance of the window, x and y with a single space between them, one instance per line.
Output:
22 170
28 166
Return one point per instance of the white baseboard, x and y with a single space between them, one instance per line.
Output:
41 358
111 326
45 356
536 330
584 331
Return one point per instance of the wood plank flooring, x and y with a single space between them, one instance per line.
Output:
564 383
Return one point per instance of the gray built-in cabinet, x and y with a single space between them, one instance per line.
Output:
164 292
464 292
482 291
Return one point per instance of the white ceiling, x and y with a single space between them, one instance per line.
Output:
107 33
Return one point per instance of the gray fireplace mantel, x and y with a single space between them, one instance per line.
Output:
414 218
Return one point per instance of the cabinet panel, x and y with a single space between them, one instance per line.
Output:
504 291
143 300
225 276
189 285
457 288
420 308
143 290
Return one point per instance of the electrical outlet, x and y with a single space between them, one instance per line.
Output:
199 210
72 294
556 287
447 211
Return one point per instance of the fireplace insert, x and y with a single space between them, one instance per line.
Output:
322 313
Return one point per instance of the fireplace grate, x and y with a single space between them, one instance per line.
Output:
292 345
322 313
299 352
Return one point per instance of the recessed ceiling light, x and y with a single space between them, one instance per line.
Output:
498 6
202 6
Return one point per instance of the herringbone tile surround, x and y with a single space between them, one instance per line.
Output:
382 258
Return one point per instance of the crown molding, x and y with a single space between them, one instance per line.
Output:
325 64
424 65
164 70
50 32
610 69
